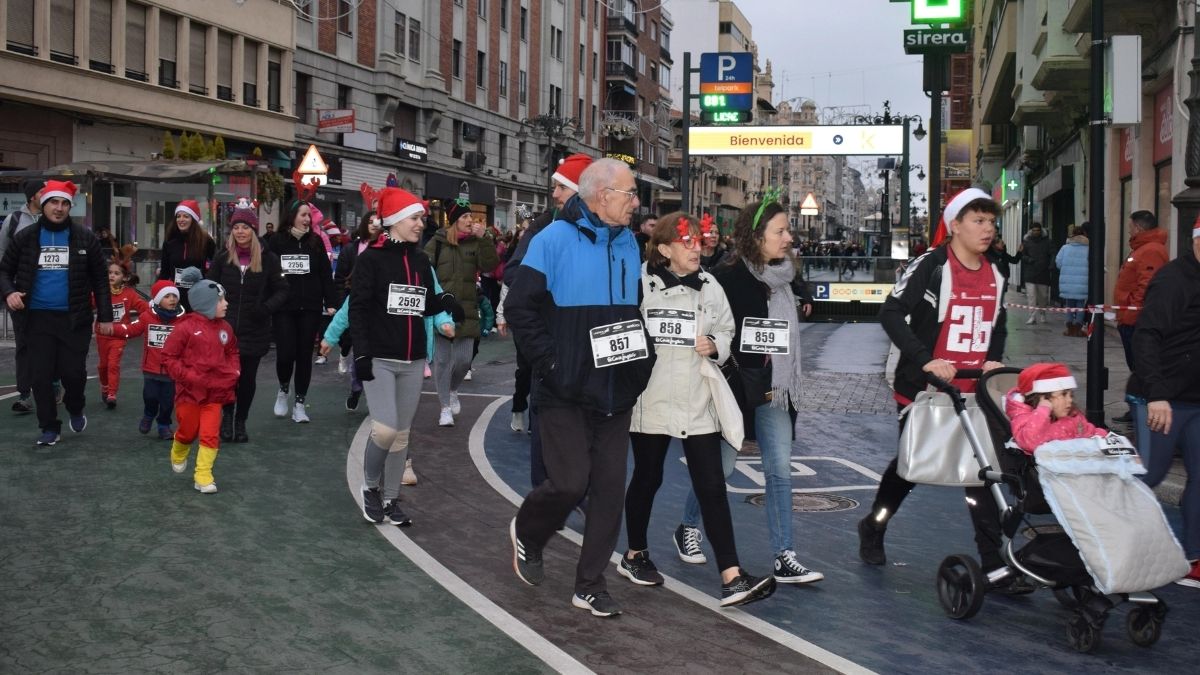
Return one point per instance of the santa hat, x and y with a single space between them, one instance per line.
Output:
953 208
63 189
161 289
396 204
569 170
192 208
1044 378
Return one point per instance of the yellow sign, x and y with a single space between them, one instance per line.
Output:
797 140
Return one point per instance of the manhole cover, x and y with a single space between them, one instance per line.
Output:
814 502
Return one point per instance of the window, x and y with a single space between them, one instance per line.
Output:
19 31
595 12
582 58
503 14
555 100
480 69
521 156
595 66
641 106
522 91
583 9
400 25
595 112
301 106
556 43
579 112
641 63
197 48
135 41
274 80
524 24
167 25
503 75
100 31
654 71
483 9
224 65
345 10
456 59
503 161
62 35
250 74
343 96
664 75
414 40
666 39
654 31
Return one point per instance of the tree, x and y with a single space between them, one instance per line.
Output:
219 148
168 149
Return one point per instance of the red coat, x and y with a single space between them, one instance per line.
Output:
201 356
130 313
1148 255
157 330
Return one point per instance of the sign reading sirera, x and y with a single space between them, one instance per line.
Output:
937 40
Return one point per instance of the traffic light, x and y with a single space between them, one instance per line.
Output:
214 177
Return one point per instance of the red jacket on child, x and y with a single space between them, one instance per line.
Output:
201 355
129 315
1032 426
157 330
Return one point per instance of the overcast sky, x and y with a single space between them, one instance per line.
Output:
838 53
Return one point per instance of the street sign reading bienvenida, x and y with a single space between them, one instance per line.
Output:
726 86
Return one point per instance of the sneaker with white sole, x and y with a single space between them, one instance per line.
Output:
395 515
321 360
281 404
745 589
600 603
180 467
687 542
446 419
640 569
519 421
209 489
78 423
48 438
410 476
788 570
527 560
299 414
372 505
455 405
467 377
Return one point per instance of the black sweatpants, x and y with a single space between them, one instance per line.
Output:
524 376
703 453
56 352
24 365
985 514
246 387
585 452
295 332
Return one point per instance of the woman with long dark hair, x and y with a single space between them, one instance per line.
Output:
311 292
255 289
187 244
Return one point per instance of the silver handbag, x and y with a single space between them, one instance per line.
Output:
934 449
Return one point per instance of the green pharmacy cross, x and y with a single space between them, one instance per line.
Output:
939 11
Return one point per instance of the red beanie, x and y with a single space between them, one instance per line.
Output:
569 170
1045 378
396 204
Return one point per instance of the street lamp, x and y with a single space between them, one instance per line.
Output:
552 129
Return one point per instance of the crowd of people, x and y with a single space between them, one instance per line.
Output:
610 324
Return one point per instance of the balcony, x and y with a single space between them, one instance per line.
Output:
619 70
1062 72
664 54
618 24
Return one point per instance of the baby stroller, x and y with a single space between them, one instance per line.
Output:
1052 558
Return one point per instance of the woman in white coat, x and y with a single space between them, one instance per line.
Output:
689 320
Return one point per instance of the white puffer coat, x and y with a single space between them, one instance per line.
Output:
677 401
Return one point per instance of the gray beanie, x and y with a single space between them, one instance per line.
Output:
204 297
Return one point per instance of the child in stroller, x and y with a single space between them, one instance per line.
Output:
1041 408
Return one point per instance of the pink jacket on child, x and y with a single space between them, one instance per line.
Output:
1032 426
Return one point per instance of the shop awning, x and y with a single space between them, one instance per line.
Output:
151 171
653 180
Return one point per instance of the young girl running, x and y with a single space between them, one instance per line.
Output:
129 321
1041 408
158 389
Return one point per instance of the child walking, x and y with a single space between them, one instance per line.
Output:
129 321
202 358
158 389
1041 408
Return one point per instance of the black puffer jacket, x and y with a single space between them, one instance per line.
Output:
86 272
313 291
1166 338
253 297
378 333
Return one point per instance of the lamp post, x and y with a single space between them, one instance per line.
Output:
552 129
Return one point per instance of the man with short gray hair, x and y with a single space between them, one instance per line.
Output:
573 307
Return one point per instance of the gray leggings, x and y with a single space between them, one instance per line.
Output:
392 399
451 361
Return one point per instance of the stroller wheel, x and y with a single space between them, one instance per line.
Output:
1144 625
961 586
1068 597
1082 635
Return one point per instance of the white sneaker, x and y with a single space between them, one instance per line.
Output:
180 467
446 419
281 404
1032 319
344 364
321 360
455 406
299 414
410 476
518 421
209 489
467 377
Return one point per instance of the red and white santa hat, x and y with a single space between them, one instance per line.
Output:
1196 228
953 208
396 204
161 289
190 207
63 189
1044 378
569 170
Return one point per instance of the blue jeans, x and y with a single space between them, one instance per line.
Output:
159 399
1074 317
1158 453
691 507
773 429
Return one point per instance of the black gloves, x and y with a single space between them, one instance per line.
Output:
363 369
450 304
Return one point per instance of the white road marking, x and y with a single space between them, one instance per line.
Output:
14 393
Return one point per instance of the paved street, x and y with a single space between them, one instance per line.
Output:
114 564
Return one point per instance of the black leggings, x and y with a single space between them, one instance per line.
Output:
703 453
245 387
295 332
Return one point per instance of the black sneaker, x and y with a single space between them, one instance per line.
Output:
396 515
527 560
640 570
372 505
600 603
48 438
788 570
1015 584
23 405
144 425
746 589
226 432
352 401
78 423
239 432
870 542
687 542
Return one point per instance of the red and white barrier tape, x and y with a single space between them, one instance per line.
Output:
1090 309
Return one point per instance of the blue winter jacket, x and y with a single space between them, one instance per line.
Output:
1072 263
576 276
